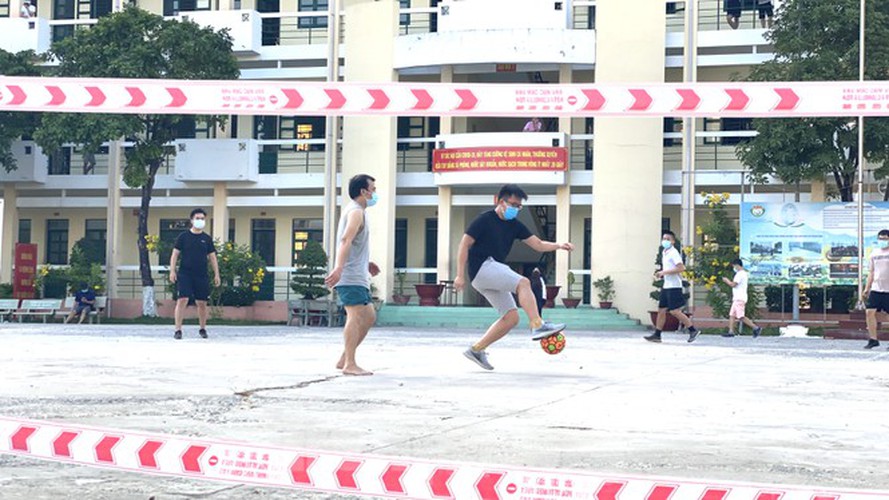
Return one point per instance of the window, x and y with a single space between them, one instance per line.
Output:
231 230
24 231
95 236
60 162
174 7
312 6
305 230
404 19
401 243
57 241
170 229
736 125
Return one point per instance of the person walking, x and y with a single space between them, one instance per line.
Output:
876 290
194 248
739 300
671 298
351 275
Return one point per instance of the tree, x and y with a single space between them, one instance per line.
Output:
311 267
137 44
14 125
818 41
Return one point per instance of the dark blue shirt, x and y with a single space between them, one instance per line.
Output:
80 295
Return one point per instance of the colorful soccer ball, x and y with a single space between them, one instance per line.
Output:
553 344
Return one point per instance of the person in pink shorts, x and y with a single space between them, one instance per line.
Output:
739 300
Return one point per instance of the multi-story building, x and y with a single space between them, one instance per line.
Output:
624 184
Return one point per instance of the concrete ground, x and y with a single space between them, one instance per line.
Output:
799 411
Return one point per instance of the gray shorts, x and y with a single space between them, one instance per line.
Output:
497 282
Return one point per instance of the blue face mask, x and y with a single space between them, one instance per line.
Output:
882 243
666 244
373 200
510 213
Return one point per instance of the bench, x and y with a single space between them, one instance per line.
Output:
38 307
97 312
7 307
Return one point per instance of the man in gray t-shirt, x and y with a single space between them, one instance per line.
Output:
353 270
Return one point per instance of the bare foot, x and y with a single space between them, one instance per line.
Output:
356 371
342 362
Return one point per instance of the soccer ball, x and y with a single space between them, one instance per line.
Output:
553 344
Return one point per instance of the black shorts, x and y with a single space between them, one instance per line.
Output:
733 8
671 299
193 287
878 301
766 10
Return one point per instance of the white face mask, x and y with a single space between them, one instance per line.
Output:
199 223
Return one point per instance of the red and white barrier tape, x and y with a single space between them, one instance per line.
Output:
777 99
370 475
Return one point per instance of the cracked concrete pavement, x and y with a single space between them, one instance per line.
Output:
775 410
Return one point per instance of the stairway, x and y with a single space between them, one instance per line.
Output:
580 319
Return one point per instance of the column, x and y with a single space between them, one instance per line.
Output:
113 221
10 232
445 200
369 142
563 201
220 211
628 174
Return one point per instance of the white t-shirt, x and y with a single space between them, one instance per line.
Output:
28 11
739 291
671 260
879 266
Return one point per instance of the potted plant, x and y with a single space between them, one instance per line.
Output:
604 291
429 293
569 301
552 291
399 297
311 267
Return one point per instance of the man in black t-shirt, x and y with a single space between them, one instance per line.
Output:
485 246
195 248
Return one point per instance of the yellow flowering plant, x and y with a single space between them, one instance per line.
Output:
712 259
241 272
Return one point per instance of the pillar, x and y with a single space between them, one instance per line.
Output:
369 142
445 201
10 232
113 221
628 173
220 211
445 205
563 202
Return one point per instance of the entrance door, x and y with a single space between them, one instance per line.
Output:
262 243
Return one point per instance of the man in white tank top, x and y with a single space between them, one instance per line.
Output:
353 270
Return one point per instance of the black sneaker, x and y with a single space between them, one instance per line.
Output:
654 337
203 333
757 331
178 335
871 343
693 334
727 335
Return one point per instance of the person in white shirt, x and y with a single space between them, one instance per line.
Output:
739 300
671 298
28 11
877 288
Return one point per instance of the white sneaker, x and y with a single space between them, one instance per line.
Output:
479 358
546 329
